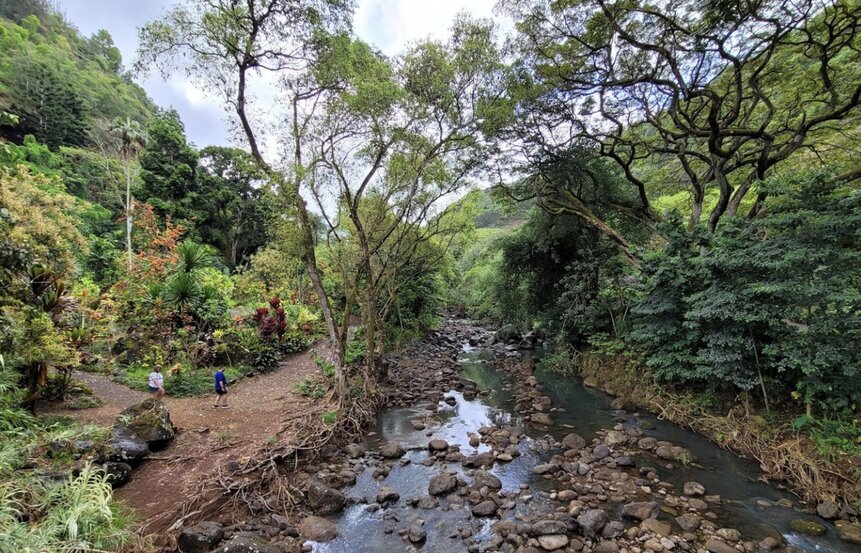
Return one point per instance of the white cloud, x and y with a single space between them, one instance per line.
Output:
391 25
195 97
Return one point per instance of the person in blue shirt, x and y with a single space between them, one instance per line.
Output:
220 389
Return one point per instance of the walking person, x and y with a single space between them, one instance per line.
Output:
156 383
220 389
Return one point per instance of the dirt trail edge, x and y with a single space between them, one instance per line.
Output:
206 436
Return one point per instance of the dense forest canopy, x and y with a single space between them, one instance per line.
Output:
672 186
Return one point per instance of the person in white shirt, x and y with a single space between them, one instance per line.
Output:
156 383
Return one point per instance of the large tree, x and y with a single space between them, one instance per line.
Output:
725 91
168 165
235 200
222 46
393 143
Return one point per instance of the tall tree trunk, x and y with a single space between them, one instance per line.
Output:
129 212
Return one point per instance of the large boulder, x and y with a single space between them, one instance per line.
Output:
322 499
149 421
318 529
200 538
125 447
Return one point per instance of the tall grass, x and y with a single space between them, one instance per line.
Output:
41 515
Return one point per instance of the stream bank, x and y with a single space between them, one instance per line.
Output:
476 451
786 456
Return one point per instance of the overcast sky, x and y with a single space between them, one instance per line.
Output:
387 24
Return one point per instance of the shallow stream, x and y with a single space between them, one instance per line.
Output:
367 529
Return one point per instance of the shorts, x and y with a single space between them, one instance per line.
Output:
153 389
221 392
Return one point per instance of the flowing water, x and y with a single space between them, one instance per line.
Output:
586 411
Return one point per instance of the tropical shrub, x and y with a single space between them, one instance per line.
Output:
769 305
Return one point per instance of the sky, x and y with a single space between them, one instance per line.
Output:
390 25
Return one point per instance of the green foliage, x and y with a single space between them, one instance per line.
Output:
61 84
355 352
236 204
769 304
309 389
168 169
330 417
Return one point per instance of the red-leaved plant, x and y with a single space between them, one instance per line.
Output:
271 321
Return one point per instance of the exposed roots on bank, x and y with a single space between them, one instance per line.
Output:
259 482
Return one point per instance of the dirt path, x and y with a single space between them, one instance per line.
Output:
260 407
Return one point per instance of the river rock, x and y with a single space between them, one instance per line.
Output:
574 441
547 527
717 546
614 437
246 544
697 504
150 421
808 527
553 542
656 526
729 534
607 546
546 468
828 509
200 538
601 451
848 531
689 522
693 488
324 500
477 461
354 451
482 479
541 418
428 502
612 529
417 533
442 484
387 494
485 508
641 510
392 450
118 473
438 445
592 521
318 529
769 543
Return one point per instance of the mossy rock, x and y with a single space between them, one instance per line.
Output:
507 333
807 527
149 421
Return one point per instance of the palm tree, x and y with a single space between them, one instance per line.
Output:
132 138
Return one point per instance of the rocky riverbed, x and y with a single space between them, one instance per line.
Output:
472 454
